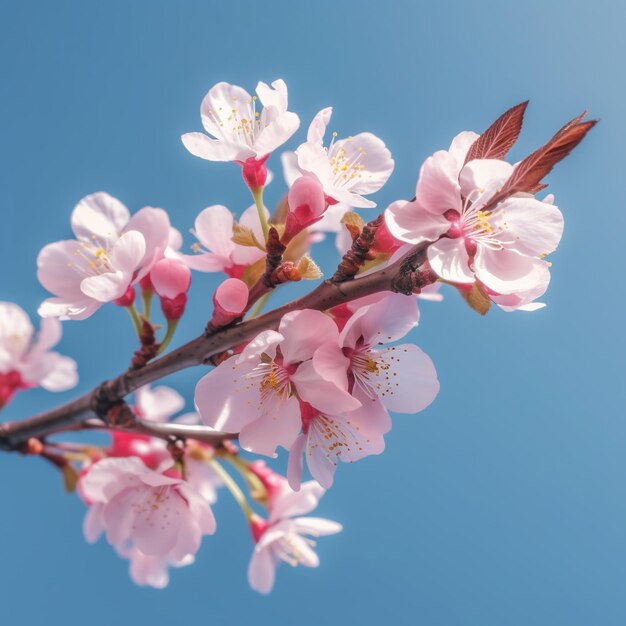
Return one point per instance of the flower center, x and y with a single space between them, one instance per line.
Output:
92 259
274 380
242 120
345 168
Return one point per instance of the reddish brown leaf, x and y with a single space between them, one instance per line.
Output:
528 174
499 138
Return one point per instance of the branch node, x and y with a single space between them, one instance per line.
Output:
354 259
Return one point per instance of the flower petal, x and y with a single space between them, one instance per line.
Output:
449 259
99 218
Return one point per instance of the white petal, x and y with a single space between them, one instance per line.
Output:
106 287
262 570
317 128
214 149
449 259
506 271
214 230
99 218
128 252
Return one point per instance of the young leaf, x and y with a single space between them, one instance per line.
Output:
499 138
528 174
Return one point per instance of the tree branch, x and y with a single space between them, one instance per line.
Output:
402 276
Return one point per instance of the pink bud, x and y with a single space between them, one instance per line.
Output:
127 299
307 204
230 300
170 278
254 172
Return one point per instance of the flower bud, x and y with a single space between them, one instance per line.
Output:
307 204
254 172
230 300
170 278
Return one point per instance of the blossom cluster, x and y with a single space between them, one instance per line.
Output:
318 381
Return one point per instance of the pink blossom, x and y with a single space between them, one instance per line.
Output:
254 393
159 514
283 536
398 378
502 247
328 438
401 377
237 131
112 251
26 361
216 250
348 168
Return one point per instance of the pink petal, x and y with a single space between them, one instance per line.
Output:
128 251
279 425
408 381
158 404
317 128
57 269
276 133
448 258
438 188
305 331
295 466
154 225
389 319
106 287
370 152
262 570
506 271
214 229
327 391
528 226
291 503
482 174
226 399
77 309
99 219
410 222
461 144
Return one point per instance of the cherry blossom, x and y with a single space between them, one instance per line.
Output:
328 438
237 130
112 251
26 361
216 250
503 246
349 168
254 393
154 511
283 536
399 378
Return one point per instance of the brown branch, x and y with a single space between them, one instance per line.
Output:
402 276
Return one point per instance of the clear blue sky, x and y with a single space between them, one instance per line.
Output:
505 502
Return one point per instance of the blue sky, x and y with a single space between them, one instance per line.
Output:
504 502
